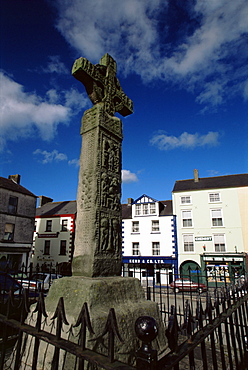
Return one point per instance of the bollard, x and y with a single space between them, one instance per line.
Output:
146 330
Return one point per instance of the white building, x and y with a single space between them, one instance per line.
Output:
212 223
54 234
149 239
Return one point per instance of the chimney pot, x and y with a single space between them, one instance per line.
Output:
15 178
196 176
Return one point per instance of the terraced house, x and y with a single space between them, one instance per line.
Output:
54 234
17 213
149 239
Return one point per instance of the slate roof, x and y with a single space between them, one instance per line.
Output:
126 210
57 208
13 186
165 209
218 182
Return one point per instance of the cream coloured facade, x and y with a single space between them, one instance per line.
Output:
212 220
54 234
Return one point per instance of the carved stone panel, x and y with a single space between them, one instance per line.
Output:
98 227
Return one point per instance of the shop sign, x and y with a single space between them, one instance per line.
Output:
51 235
144 260
44 259
203 238
223 259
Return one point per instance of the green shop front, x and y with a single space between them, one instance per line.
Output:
223 267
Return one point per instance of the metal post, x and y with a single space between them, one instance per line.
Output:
146 330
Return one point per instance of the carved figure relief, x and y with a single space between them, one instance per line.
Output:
115 234
111 155
109 235
104 234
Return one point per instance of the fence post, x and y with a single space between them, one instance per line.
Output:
146 330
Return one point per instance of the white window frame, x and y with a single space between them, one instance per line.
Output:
152 208
155 226
188 243
156 248
221 245
145 209
137 209
64 224
189 211
217 219
185 199
214 197
135 249
135 226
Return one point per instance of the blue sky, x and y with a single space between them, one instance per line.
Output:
183 63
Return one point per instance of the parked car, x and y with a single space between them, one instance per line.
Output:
7 282
39 281
187 285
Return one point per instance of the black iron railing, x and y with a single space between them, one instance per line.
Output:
207 330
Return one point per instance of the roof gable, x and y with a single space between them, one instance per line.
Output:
144 199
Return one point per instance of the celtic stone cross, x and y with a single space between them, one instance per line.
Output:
102 84
98 244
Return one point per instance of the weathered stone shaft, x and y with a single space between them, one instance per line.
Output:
98 226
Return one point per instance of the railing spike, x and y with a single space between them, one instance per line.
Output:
60 311
40 305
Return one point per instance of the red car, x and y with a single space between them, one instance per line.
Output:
187 285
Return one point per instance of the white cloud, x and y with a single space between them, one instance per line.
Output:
246 90
43 156
48 157
26 114
185 140
74 162
138 35
128 177
55 66
75 100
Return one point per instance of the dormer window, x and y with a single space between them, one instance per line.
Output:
152 208
137 209
145 209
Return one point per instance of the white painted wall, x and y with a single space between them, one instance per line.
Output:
145 237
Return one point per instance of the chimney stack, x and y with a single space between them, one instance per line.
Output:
196 176
129 201
15 178
44 200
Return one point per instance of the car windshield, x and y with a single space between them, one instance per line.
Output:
40 277
183 281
